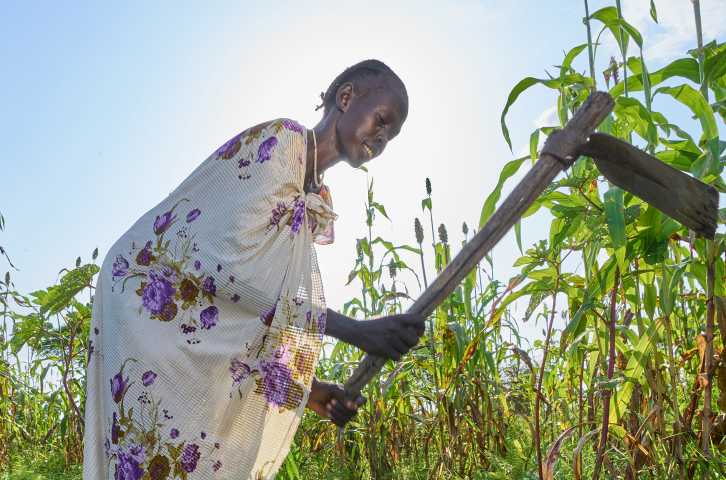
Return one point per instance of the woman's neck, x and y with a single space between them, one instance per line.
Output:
327 147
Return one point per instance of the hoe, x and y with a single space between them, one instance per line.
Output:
680 196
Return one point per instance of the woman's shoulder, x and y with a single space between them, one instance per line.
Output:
273 127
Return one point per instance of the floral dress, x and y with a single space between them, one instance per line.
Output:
208 319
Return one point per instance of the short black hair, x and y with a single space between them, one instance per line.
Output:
360 70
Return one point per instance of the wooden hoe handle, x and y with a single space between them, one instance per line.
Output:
560 151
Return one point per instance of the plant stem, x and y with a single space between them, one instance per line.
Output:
611 368
590 53
701 54
538 391
624 50
708 356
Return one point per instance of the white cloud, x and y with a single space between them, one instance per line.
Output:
676 29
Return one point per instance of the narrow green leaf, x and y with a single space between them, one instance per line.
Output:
615 216
653 12
426 203
520 87
488 209
692 98
683 67
634 370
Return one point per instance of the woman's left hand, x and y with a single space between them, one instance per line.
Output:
328 400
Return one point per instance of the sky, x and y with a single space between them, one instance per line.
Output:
106 107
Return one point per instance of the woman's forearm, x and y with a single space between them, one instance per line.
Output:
339 326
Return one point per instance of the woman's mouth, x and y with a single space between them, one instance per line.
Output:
368 150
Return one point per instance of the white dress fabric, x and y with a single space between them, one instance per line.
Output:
208 319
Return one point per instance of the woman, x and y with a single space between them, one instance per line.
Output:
209 312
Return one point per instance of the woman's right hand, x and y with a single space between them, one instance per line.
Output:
388 337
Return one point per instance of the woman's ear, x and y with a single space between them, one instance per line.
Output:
343 96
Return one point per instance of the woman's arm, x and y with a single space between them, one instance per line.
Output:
387 337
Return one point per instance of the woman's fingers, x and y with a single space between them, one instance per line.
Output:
342 409
410 336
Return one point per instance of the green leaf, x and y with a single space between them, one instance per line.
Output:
533 144
426 203
570 57
488 209
634 371
715 66
58 297
682 67
518 234
693 99
380 208
615 216
620 29
638 116
653 12
520 87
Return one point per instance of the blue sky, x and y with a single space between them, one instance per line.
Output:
106 108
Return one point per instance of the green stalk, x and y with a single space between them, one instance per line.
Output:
624 50
701 54
590 52
538 392
707 425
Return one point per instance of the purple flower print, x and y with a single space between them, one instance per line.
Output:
217 465
163 222
230 148
118 387
120 267
137 452
191 216
91 349
129 463
203 435
197 265
276 379
264 153
209 317
209 287
144 257
148 378
157 293
322 321
298 215
235 298
277 213
268 315
190 457
292 125
308 317
239 370
174 433
115 429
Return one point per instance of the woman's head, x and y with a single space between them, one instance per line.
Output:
369 104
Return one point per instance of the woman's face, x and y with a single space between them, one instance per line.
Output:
369 120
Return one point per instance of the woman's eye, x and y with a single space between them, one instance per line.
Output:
379 120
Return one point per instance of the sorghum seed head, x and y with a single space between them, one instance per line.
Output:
419 230
443 236
428 186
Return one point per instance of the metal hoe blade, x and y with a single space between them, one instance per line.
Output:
678 195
